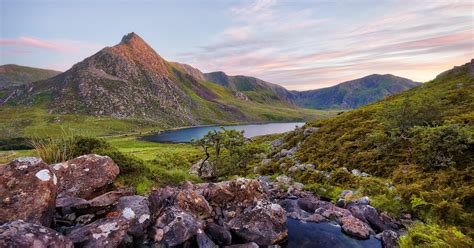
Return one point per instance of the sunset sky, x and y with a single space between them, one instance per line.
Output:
297 44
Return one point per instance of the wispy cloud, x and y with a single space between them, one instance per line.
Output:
27 44
300 49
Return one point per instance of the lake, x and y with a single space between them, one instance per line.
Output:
185 135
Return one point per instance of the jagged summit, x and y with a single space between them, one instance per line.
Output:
131 38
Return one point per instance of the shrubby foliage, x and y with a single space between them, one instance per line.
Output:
229 151
421 140
433 235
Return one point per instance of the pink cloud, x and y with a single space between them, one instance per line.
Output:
25 41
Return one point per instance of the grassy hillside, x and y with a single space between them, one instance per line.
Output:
13 75
422 141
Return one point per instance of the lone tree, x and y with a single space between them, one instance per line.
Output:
226 149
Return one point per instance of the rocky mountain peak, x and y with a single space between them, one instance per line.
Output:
131 38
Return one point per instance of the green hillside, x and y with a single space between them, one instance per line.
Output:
421 141
14 75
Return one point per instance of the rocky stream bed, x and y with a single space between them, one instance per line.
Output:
72 204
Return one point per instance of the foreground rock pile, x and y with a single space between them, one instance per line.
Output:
73 204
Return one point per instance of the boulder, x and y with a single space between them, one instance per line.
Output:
218 194
204 169
203 241
368 214
29 185
111 197
301 167
174 227
264 224
85 176
265 161
332 212
389 239
308 131
19 233
219 234
159 199
316 218
282 179
355 227
135 208
107 232
245 191
194 203
356 172
277 143
310 204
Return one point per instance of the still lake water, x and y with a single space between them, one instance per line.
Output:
187 134
323 235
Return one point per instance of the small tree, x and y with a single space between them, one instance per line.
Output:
227 150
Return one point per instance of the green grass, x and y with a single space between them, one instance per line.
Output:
36 122
149 150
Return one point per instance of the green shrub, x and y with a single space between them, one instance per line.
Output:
442 146
433 235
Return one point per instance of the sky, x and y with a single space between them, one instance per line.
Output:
298 44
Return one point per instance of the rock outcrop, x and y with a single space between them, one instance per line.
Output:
28 189
19 233
85 176
237 213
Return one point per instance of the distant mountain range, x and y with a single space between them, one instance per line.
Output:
131 80
353 94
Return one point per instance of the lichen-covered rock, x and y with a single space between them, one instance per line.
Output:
28 189
219 234
355 227
246 191
194 203
85 176
174 227
23 234
108 232
264 224
135 208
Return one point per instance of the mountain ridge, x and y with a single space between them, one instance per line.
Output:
131 80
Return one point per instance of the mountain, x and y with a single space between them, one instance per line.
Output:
131 80
250 88
256 89
353 94
14 75
346 95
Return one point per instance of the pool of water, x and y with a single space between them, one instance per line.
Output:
323 235
187 134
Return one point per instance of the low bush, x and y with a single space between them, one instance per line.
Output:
433 235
